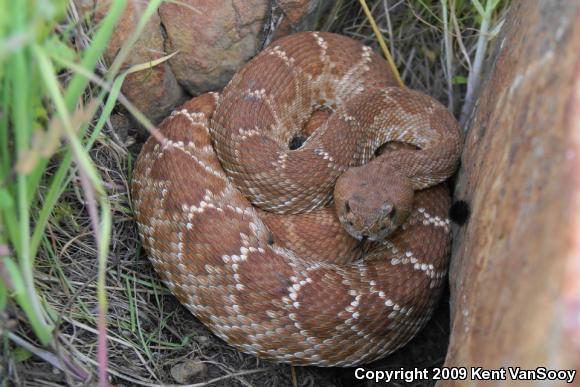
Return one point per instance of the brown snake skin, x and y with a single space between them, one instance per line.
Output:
291 285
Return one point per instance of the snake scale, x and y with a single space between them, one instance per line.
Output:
299 214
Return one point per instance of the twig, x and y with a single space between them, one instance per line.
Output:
91 204
49 357
294 377
381 42
111 338
459 37
389 25
475 74
234 375
448 54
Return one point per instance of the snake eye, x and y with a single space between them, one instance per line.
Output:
347 206
393 213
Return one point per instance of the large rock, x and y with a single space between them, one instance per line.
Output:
153 91
212 39
515 272
216 38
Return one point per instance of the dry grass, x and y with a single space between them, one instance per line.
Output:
148 331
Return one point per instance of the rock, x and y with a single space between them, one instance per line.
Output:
299 15
295 10
203 341
186 371
154 91
215 39
514 276
121 125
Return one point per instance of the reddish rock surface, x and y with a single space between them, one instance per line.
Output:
213 39
299 15
154 91
515 273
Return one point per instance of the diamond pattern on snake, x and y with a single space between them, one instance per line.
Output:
300 213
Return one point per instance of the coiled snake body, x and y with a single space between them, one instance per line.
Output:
284 279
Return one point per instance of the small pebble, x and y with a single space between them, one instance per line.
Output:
185 371
203 341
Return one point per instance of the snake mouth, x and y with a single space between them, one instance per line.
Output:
365 236
361 235
372 235
374 230
362 238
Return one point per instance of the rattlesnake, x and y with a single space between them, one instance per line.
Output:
285 281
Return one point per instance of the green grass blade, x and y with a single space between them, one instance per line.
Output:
22 116
48 75
16 282
124 51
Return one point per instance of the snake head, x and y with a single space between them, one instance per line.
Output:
372 201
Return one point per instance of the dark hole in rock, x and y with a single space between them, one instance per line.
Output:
459 212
